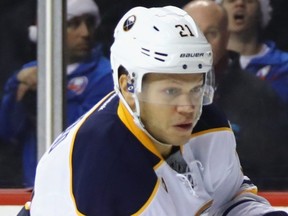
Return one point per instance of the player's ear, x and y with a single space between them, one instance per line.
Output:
127 90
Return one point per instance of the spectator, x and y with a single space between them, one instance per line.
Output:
258 117
132 153
247 20
89 78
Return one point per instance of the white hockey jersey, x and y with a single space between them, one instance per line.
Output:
105 165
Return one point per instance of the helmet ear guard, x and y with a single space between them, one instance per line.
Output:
130 86
130 83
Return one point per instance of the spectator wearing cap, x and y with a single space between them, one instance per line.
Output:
247 20
89 78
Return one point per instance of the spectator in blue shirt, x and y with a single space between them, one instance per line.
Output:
247 20
89 78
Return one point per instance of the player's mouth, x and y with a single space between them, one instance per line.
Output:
184 126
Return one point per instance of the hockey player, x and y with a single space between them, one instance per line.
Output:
133 153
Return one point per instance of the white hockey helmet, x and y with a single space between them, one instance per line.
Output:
160 40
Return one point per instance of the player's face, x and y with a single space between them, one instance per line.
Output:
80 37
243 15
170 105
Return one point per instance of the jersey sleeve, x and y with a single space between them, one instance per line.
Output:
233 194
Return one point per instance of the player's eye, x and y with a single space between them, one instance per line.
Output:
197 91
172 91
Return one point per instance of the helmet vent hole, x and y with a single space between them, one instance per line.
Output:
145 51
156 28
159 59
159 56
